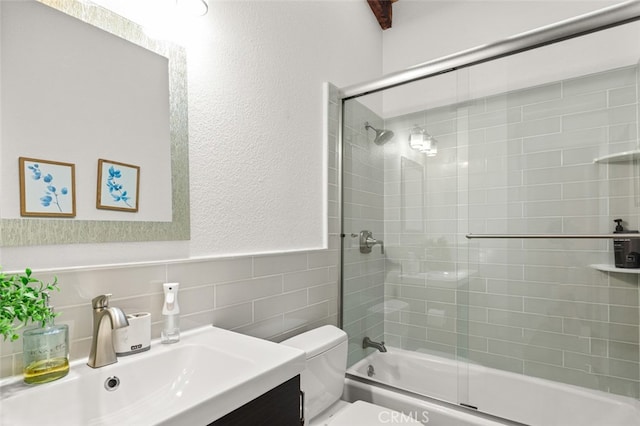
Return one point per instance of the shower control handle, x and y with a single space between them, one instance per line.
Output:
372 241
367 242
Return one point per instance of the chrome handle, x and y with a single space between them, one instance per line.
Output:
372 242
367 242
101 302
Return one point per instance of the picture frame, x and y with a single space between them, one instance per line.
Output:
47 188
118 186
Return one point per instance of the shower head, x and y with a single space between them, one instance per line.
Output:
382 136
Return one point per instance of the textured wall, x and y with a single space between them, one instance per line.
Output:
258 179
463 24
257 173
255 74
258 145
271 296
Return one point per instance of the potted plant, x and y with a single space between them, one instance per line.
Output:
24 300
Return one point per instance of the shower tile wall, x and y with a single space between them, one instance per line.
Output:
363 209
521 162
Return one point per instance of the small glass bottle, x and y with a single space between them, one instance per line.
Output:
45 353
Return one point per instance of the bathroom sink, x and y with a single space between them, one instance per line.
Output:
206 375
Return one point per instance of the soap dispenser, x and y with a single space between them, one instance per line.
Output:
626 251
171 314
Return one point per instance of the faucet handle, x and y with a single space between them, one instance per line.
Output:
101 301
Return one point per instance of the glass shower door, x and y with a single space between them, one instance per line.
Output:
404 291
538 143
553 154
363 271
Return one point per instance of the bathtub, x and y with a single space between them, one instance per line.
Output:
516 397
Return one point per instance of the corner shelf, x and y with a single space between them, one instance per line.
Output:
611 268
620 157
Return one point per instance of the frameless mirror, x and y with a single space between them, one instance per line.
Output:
115 94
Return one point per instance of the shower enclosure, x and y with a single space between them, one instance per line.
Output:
477 229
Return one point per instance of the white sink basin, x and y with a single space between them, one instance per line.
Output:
208 374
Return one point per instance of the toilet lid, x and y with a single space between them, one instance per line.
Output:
362 413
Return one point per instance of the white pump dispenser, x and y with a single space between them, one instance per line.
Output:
170 312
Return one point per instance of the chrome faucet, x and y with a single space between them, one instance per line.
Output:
368 343
105 319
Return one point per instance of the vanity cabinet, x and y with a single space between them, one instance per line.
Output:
278 407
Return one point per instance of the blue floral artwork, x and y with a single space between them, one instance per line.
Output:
118 185
46 188
116 190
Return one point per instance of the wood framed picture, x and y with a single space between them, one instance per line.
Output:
118 186
47 188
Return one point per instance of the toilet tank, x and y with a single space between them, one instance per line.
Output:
323 378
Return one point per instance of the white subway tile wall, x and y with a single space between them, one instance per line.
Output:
521 162
270 296
363 209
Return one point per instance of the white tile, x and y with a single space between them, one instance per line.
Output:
80 287
265 329
233 316
274 305
243 291
196 299
322 293
279 263
598 118
209 271
324 258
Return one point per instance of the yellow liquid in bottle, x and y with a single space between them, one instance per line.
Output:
46 370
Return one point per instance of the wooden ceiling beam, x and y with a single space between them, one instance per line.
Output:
383 10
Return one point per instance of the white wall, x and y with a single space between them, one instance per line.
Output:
256 155
425 30
439 28
255 73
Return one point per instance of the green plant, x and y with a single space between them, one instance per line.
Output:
23 299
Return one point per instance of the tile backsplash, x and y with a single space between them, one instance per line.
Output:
270 296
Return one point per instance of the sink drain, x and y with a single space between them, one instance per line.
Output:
112 383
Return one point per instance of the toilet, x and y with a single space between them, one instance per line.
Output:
322 382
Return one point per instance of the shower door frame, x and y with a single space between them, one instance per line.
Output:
578 26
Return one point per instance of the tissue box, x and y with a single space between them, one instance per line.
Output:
135 338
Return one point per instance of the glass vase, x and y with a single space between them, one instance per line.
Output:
45 353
